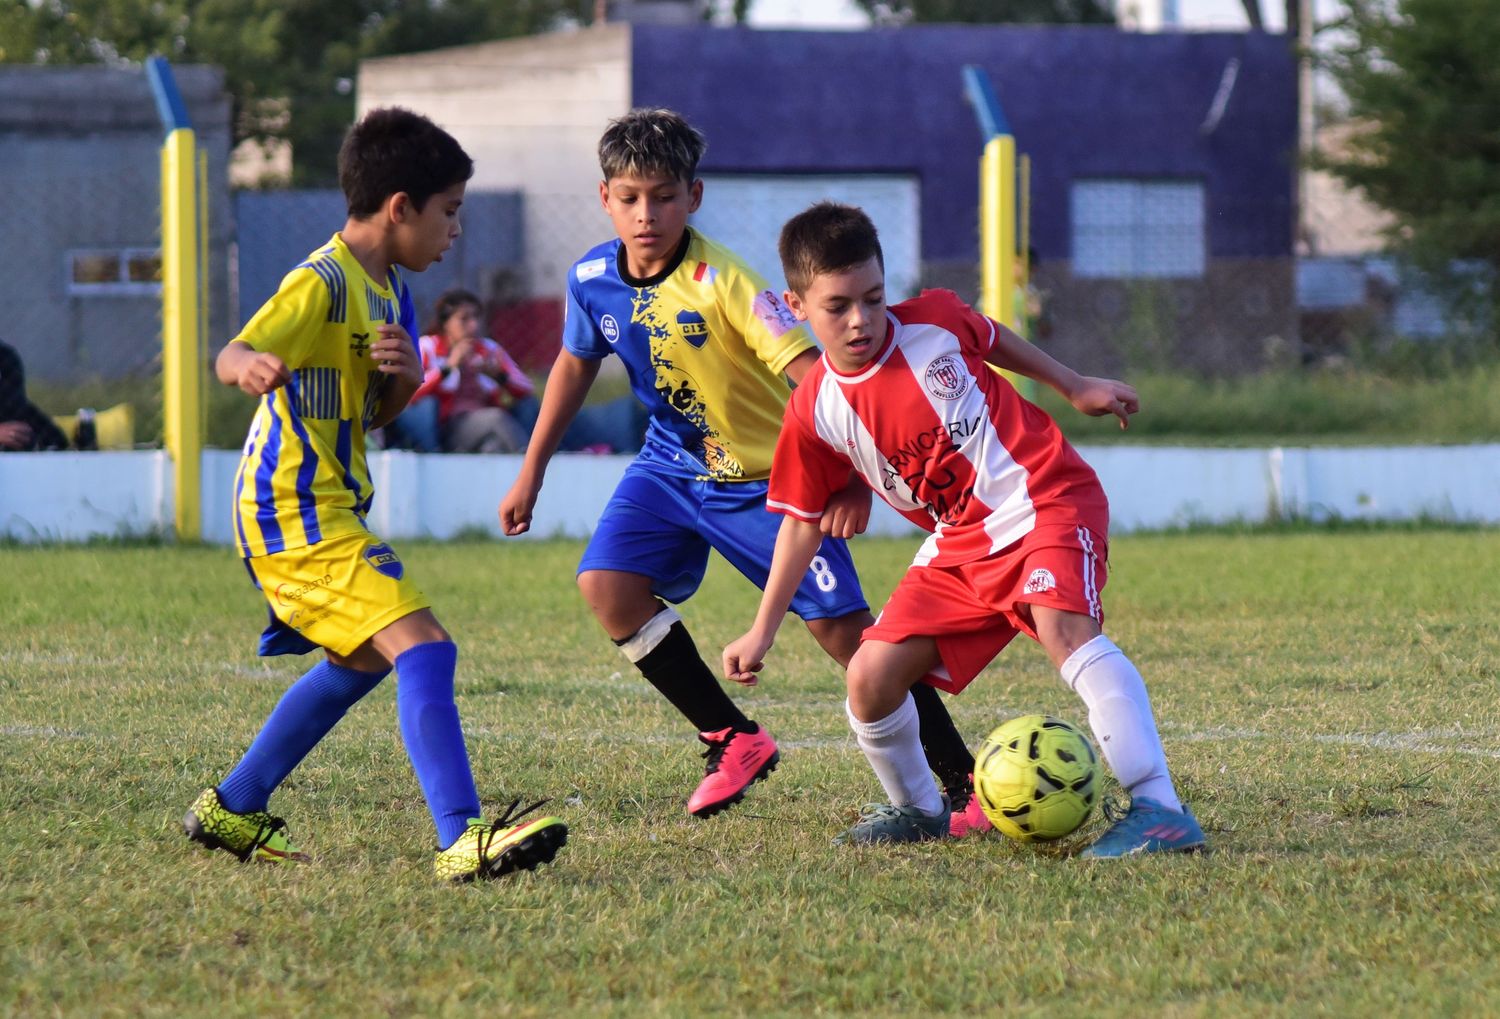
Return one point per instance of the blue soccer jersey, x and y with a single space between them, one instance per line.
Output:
704 343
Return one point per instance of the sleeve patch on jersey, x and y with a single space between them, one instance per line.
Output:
588 270
776 316
705 273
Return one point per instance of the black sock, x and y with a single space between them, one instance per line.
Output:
675 668
947 754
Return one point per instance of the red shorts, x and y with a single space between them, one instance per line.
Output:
972 609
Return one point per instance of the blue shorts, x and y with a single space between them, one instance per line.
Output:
660 525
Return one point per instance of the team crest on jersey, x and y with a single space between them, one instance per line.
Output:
947 378
1039 581
385 561
610 328
588 270
693 328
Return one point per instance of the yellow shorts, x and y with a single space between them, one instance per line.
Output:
336 594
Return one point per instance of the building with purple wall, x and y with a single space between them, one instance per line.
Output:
1162 167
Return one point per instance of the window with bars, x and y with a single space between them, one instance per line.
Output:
113 271
1138 229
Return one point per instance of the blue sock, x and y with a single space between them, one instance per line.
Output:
310 707
434 739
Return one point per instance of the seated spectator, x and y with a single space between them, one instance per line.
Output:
23 425
474 398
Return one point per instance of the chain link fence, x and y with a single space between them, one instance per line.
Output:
86 302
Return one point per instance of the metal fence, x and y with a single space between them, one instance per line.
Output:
85 297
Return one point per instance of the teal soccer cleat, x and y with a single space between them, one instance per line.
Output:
1148 827
881 822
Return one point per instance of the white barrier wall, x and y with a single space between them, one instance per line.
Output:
77 496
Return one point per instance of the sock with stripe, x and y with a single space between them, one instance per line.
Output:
665 653
434 738
1120 716
307 711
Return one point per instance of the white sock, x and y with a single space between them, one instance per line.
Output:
893 746
1120 715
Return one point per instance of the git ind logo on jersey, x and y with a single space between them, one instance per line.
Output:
693 328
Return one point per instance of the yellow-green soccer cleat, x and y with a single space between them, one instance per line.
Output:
254 836
489 849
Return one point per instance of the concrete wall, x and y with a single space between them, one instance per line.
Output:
80 151
74 496
529 111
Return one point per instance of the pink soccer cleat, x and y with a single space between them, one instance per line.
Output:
736 761
968 816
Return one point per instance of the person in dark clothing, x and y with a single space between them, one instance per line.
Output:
24 426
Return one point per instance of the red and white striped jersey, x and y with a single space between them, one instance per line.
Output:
938 434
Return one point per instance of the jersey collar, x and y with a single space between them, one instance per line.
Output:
651 281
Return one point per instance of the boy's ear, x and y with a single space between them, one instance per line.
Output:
791 299
398 206
604 194
695 190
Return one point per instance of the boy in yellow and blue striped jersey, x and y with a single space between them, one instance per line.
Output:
331 357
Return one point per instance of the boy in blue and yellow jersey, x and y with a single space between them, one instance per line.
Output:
331 356
706 343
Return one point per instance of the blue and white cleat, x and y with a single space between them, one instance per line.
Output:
1148 827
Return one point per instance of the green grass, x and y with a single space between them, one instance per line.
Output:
1307 407
1327 699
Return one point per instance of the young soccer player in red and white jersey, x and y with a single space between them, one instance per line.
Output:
906 396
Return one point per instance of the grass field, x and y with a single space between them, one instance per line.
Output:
1327 699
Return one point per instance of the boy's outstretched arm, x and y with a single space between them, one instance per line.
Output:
796 544
567 386
254 371
1092 396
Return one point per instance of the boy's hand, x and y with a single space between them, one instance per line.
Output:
1097 397
396 355
848 511
516 507
744 657
260 373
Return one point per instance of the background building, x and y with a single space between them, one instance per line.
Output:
81 152
1162 166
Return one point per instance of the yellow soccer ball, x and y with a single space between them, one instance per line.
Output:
1036 778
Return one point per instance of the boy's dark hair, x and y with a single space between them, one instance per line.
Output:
448 302
827 237
648 141
392 150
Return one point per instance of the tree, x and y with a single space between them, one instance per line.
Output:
1423 87
1099 12
289 65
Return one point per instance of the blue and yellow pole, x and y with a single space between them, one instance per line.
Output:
184 353
997 208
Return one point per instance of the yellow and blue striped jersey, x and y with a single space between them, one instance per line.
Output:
303 476
704 343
